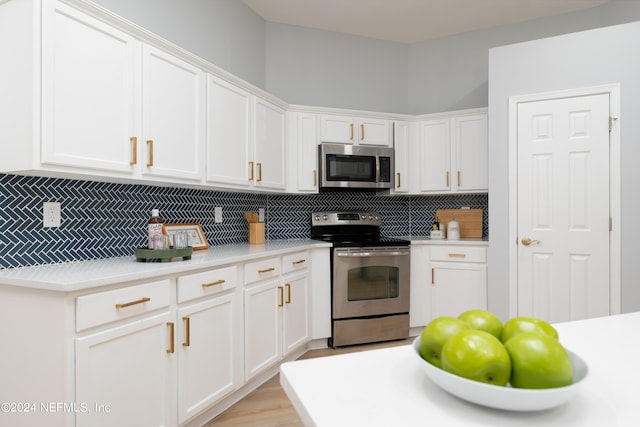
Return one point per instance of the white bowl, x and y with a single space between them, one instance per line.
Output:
506 398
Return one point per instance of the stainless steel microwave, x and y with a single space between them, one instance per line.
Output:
355 166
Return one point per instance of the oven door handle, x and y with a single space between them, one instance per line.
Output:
370 254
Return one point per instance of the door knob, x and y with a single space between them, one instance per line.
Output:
527 241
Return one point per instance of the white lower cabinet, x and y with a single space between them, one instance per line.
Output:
276 313
446 280
125 375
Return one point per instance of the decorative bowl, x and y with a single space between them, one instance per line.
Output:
505 398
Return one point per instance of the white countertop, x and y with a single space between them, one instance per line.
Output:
83 275
387 387
465 241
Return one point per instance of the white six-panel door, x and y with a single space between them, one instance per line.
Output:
563 208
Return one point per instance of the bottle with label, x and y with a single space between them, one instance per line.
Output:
154 229
436 224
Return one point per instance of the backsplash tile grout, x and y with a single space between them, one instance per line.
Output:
103 220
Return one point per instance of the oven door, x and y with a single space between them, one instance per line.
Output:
370 281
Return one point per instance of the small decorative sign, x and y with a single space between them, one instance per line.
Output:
195 234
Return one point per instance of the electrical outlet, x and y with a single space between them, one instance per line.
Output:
51 214
218 214
261 215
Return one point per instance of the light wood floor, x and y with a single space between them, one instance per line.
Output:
269 406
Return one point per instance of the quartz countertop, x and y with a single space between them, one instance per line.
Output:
425 240
387 387
83 275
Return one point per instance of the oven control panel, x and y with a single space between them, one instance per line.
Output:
346 218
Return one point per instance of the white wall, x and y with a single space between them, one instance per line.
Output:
591 58
329 69
224 32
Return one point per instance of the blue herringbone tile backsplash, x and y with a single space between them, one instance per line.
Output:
102 220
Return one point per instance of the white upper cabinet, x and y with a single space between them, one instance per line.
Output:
401 137
355 130
173 119
245 138
302 152
228 133
91 78
451 154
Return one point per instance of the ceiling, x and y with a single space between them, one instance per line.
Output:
410 21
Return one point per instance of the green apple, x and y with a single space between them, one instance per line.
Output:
518 325
435 334
477 355
483 320
538 361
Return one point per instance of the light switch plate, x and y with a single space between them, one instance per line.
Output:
261 215
218 214
51 214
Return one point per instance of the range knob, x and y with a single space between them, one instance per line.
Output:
370 217
325 217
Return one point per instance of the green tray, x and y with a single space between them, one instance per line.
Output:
162 255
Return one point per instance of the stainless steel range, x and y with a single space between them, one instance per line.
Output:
369 278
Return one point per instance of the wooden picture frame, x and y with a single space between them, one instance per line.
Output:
197 239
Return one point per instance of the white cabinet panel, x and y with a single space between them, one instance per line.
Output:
355 130
401 138
269 146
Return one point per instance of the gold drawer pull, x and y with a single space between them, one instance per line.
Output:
300 261
281 291
315 178
398 174
288 286
457 255
433 276
458 178
150 145
217 282
259 171
362 132
172 336
187 327
129 304
351 135
266 270
250 171
447 178
134 150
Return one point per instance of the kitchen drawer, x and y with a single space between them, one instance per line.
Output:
211 282
295 262
458 253
262 269
110 306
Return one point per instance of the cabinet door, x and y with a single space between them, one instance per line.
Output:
296 313
209 364
335 128
401 135
262 322
457 287
228 138
90 86
269 146
374 131
172 116
126 375
471 153
306 140
434 155
420 292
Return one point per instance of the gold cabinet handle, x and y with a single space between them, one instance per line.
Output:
187 332
266 270
457 255
398 175
315 178
129 304
217 282
281 290
134 150
447 178
458 178
528 241
150 145
300 261
250 171
362 131
259 171
172 336
288 286
351 126
433 276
